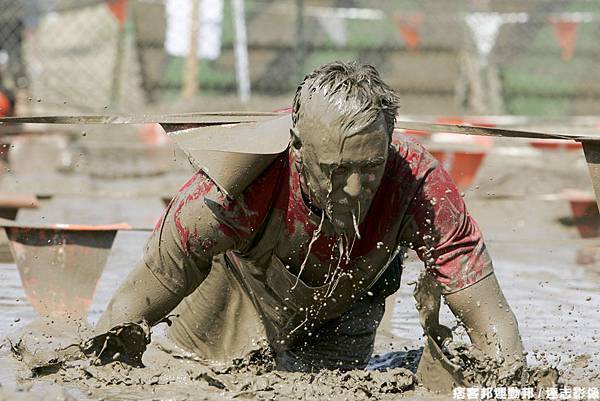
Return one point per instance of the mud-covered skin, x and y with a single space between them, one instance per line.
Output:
340 167
497 351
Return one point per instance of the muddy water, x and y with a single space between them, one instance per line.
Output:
557 302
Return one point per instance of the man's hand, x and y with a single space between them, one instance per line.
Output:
427 293
141 297
488 319
490 323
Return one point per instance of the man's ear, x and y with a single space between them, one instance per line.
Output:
295 144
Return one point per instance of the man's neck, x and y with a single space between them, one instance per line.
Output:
317 211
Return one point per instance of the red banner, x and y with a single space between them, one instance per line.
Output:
119 9
408 25
5 106
565 32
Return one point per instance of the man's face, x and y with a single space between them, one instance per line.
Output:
342 172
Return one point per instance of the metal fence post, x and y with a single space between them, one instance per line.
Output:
241 51
300 40
190 74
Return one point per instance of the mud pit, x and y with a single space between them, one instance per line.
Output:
557 304
120 362
169 372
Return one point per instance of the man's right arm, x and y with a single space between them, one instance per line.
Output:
141 297
199 223
178 255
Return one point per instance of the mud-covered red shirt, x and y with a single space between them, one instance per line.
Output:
416 205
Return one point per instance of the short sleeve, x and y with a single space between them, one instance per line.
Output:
446 237
202 222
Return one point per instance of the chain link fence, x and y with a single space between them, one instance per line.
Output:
538 57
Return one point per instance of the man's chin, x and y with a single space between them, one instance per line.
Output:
342 225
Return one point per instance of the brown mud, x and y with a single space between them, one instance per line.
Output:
111 363
123 362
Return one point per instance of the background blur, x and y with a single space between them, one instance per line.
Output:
536 57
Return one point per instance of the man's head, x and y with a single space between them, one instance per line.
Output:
343 118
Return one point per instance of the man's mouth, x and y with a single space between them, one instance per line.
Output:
345 205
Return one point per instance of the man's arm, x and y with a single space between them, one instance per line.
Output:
176 258
200 223
141 297
490 323
178 255
450 243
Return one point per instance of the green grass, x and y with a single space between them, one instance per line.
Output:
366 34
209 73
316 59
528 76
532 106
531 79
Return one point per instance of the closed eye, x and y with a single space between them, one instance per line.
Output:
345 168
374 164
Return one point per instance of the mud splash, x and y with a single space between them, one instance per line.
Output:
41 346
110 365
479 370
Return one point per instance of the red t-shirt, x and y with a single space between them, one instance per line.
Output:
416 205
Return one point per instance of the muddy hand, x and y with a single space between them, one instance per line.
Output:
435 372
427 293
125 343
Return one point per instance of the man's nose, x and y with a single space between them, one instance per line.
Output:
353 185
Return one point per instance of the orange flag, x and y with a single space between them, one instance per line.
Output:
408 25
119 9
5 107
566 34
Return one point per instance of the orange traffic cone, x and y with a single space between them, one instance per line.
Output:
584 211
554 144
461 165
60 265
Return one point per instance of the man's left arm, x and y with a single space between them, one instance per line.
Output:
450 243
490 323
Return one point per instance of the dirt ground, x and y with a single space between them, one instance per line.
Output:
556 300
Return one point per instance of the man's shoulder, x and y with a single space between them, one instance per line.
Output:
274 172
254 194
271 181
408 156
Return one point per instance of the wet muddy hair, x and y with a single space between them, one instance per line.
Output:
341 81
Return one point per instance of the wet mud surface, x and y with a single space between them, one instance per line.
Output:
120 361
556 301
119 364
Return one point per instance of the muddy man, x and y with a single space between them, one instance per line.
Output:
307 253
